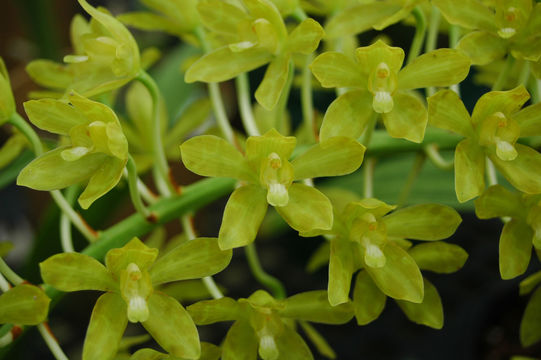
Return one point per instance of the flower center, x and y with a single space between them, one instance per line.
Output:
382 84
276 175
135 288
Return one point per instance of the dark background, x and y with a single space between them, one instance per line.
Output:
482 312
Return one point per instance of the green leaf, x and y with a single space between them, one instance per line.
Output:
497 201
53 116
506 102
482 47
172 327
242 217
209 155
471 14
447 111
240 342
522 172
269 91
530 327
400 278
341 268
331 157
224 64
74 272
308 209
50 74
290 342
529 120
43 172
423 222
407 119
429 312
515 248
305 37
441 67
107 325
104 179
191 260
24 304
439 257
469 170
348 115
314 306
356 19
211 311
368 300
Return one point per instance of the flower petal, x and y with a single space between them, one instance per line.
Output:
211 311
42 172
348 115
530 326
368 300
407 119
240 342
24 304
314 306
515 248
447 111
107 325
243 215
308 209
439 257
50 74
469 170
441 67
172 327
74 272
471 14
506 102
482 47
269 91
190 260
429 312
305 37
400 278
498 201
290 342
529 120
224 64
332 157
209 155
221 17
522 172
423 222
334 69
53 115
104 179
341 268
258 148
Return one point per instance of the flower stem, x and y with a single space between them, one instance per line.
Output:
160 161
215 95
281 107
524 74
4 284
504 73
269 281
134 190
51 342
65 224
10 275
410 181
431 150
368 177
432 38
420 32
208 281
306 98
245 105
454 35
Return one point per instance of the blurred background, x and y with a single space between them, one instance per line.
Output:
482 312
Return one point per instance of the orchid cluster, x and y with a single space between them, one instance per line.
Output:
113 127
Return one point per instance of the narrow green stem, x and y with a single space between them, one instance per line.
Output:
504 73
65 223
51 342
160 160
270 282
368 177
4 284
299 14
245 105
432 38
524 74
410 181
420 32
21 125
454 35
281 107
10 275
215 95
431 150
369 131
533 87
306 98
134 190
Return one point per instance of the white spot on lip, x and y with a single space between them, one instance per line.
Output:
507 32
